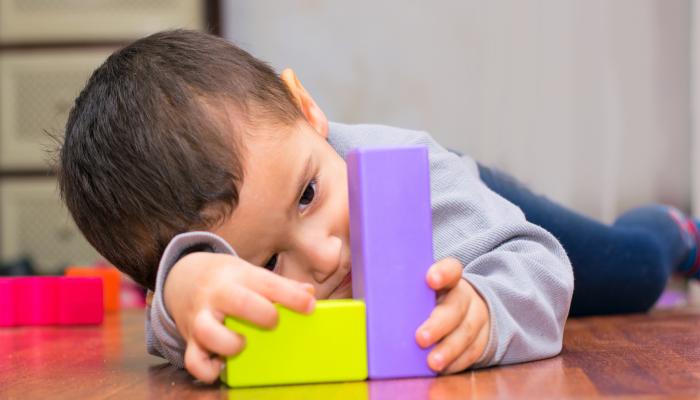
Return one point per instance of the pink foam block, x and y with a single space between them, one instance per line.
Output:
80 301
7 302
36 303
50 301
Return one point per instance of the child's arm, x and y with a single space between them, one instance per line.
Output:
518 270
201 288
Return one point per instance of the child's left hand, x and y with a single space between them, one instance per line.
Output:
460 322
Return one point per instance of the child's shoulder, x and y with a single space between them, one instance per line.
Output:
345 137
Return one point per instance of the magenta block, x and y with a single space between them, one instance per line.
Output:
80 301
392 249
50 301
7 302
36 301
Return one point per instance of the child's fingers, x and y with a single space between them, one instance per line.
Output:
291 294
444 274
215 337
200 363
243 303
476 324
471 355
452 346
445 318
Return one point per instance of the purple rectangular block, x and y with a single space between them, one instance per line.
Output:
392 249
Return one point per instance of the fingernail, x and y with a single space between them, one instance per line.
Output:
425 335
309 288
310 306
438 361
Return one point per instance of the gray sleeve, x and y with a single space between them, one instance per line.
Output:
162 336
520 269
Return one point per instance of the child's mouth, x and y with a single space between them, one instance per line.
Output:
346 281
339 291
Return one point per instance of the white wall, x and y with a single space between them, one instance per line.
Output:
586 101
695 112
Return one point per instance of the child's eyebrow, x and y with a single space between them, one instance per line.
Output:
301 182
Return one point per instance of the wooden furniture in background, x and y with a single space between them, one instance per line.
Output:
48 49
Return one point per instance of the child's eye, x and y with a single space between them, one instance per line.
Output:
308 196
271 263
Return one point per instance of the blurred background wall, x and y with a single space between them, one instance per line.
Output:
587 101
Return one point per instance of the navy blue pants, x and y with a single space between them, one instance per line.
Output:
618 268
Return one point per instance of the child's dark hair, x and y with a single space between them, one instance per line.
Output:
150 150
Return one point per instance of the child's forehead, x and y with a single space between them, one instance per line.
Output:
275 169
266 138
243 122
275 160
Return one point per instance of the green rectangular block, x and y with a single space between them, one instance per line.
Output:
330 345
358 390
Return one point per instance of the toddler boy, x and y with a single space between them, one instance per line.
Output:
182 148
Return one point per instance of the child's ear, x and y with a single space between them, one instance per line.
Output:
312 112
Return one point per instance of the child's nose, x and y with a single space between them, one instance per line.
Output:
321 256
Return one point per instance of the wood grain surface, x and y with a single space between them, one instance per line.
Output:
633 356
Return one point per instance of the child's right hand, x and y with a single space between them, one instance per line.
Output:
202 288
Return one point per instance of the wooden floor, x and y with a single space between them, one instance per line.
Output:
650 356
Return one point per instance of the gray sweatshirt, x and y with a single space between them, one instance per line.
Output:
520 269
